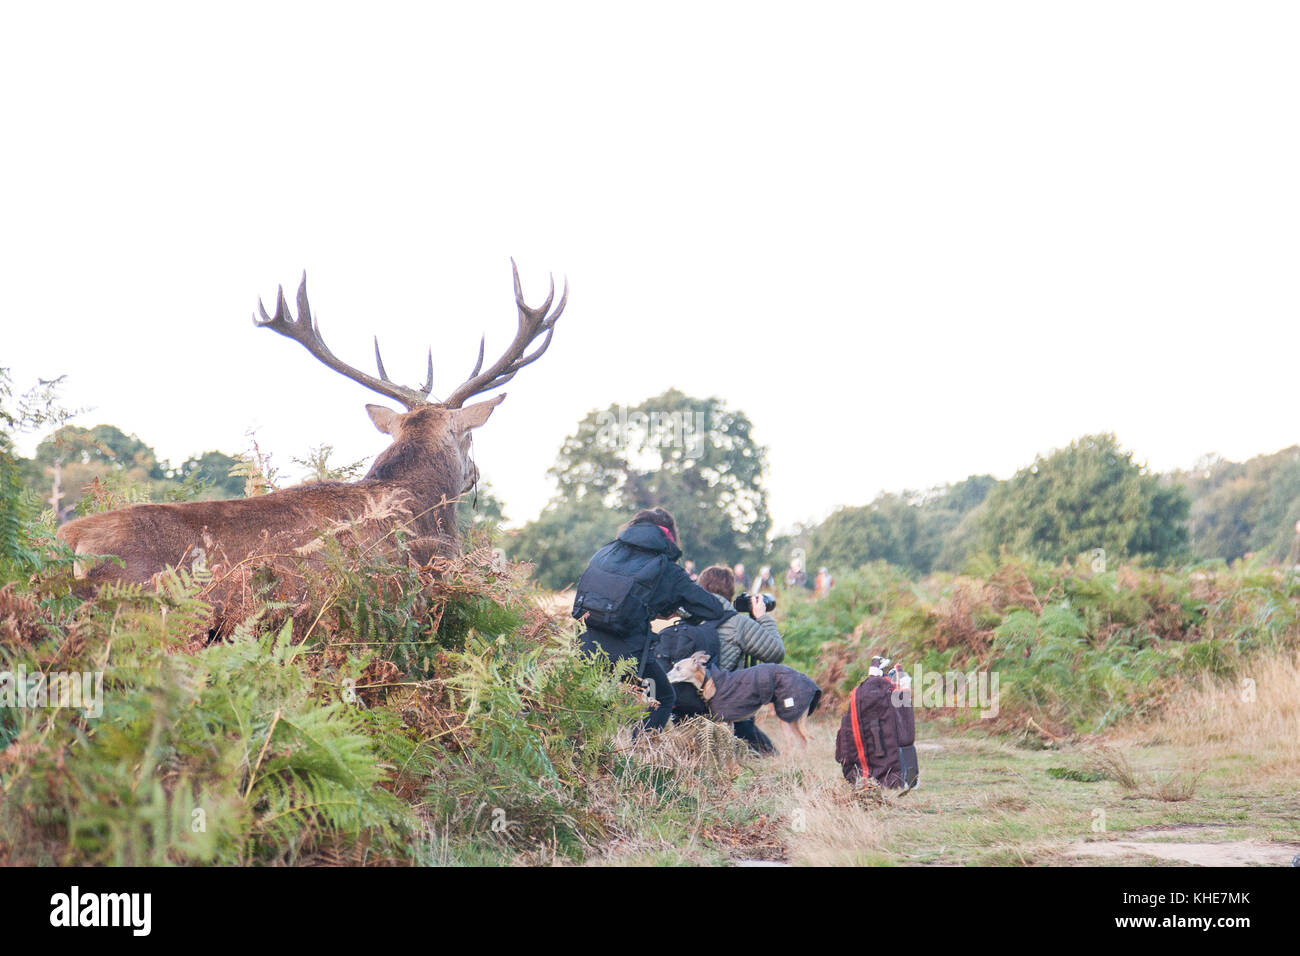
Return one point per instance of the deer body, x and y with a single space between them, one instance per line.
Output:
411 488
196 534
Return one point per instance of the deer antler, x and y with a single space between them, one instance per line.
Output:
532 323
306 332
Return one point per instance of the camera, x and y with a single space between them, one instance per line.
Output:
742 603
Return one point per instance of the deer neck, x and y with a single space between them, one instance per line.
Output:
433 475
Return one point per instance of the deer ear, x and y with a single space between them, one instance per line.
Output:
384 418
475 415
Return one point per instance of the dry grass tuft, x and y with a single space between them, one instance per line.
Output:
831 822
1171 787
700 745
1256 714
825 820
1111 764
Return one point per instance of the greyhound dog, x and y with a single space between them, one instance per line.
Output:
738 695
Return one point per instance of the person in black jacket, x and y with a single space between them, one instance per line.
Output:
645 551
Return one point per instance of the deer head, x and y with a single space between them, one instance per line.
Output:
431 439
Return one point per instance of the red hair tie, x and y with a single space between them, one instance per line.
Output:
667 532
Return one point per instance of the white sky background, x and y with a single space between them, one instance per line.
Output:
912 241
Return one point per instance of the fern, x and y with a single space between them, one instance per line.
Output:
256 470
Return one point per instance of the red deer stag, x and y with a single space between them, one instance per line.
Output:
413 485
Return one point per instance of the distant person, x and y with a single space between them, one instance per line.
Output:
765 580
629 582
741 578
689 567
796 577
823 583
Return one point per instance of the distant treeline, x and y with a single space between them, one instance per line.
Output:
697 458
1090 497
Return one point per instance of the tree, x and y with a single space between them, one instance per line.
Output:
961 541
212 469
1275 533
1240 508
885 530
692 456
72 457
481 508
908 530
127 468
105 444
1089 495
562 539
945 518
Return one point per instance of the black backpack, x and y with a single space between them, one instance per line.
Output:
618 602
682 640
877 736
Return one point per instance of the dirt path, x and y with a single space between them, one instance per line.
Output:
987 801
1232 853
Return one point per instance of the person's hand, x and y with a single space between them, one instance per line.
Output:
758 607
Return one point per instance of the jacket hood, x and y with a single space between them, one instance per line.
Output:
649 537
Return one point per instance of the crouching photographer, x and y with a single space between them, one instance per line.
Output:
744 638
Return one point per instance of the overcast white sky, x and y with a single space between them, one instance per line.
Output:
912 241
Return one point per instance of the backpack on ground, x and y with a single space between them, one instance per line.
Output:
682 640
617 602
877 736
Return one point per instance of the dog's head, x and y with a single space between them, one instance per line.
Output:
693 670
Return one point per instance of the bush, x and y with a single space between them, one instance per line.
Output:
397 715
1072 647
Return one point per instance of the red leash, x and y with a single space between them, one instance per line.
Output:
857 733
